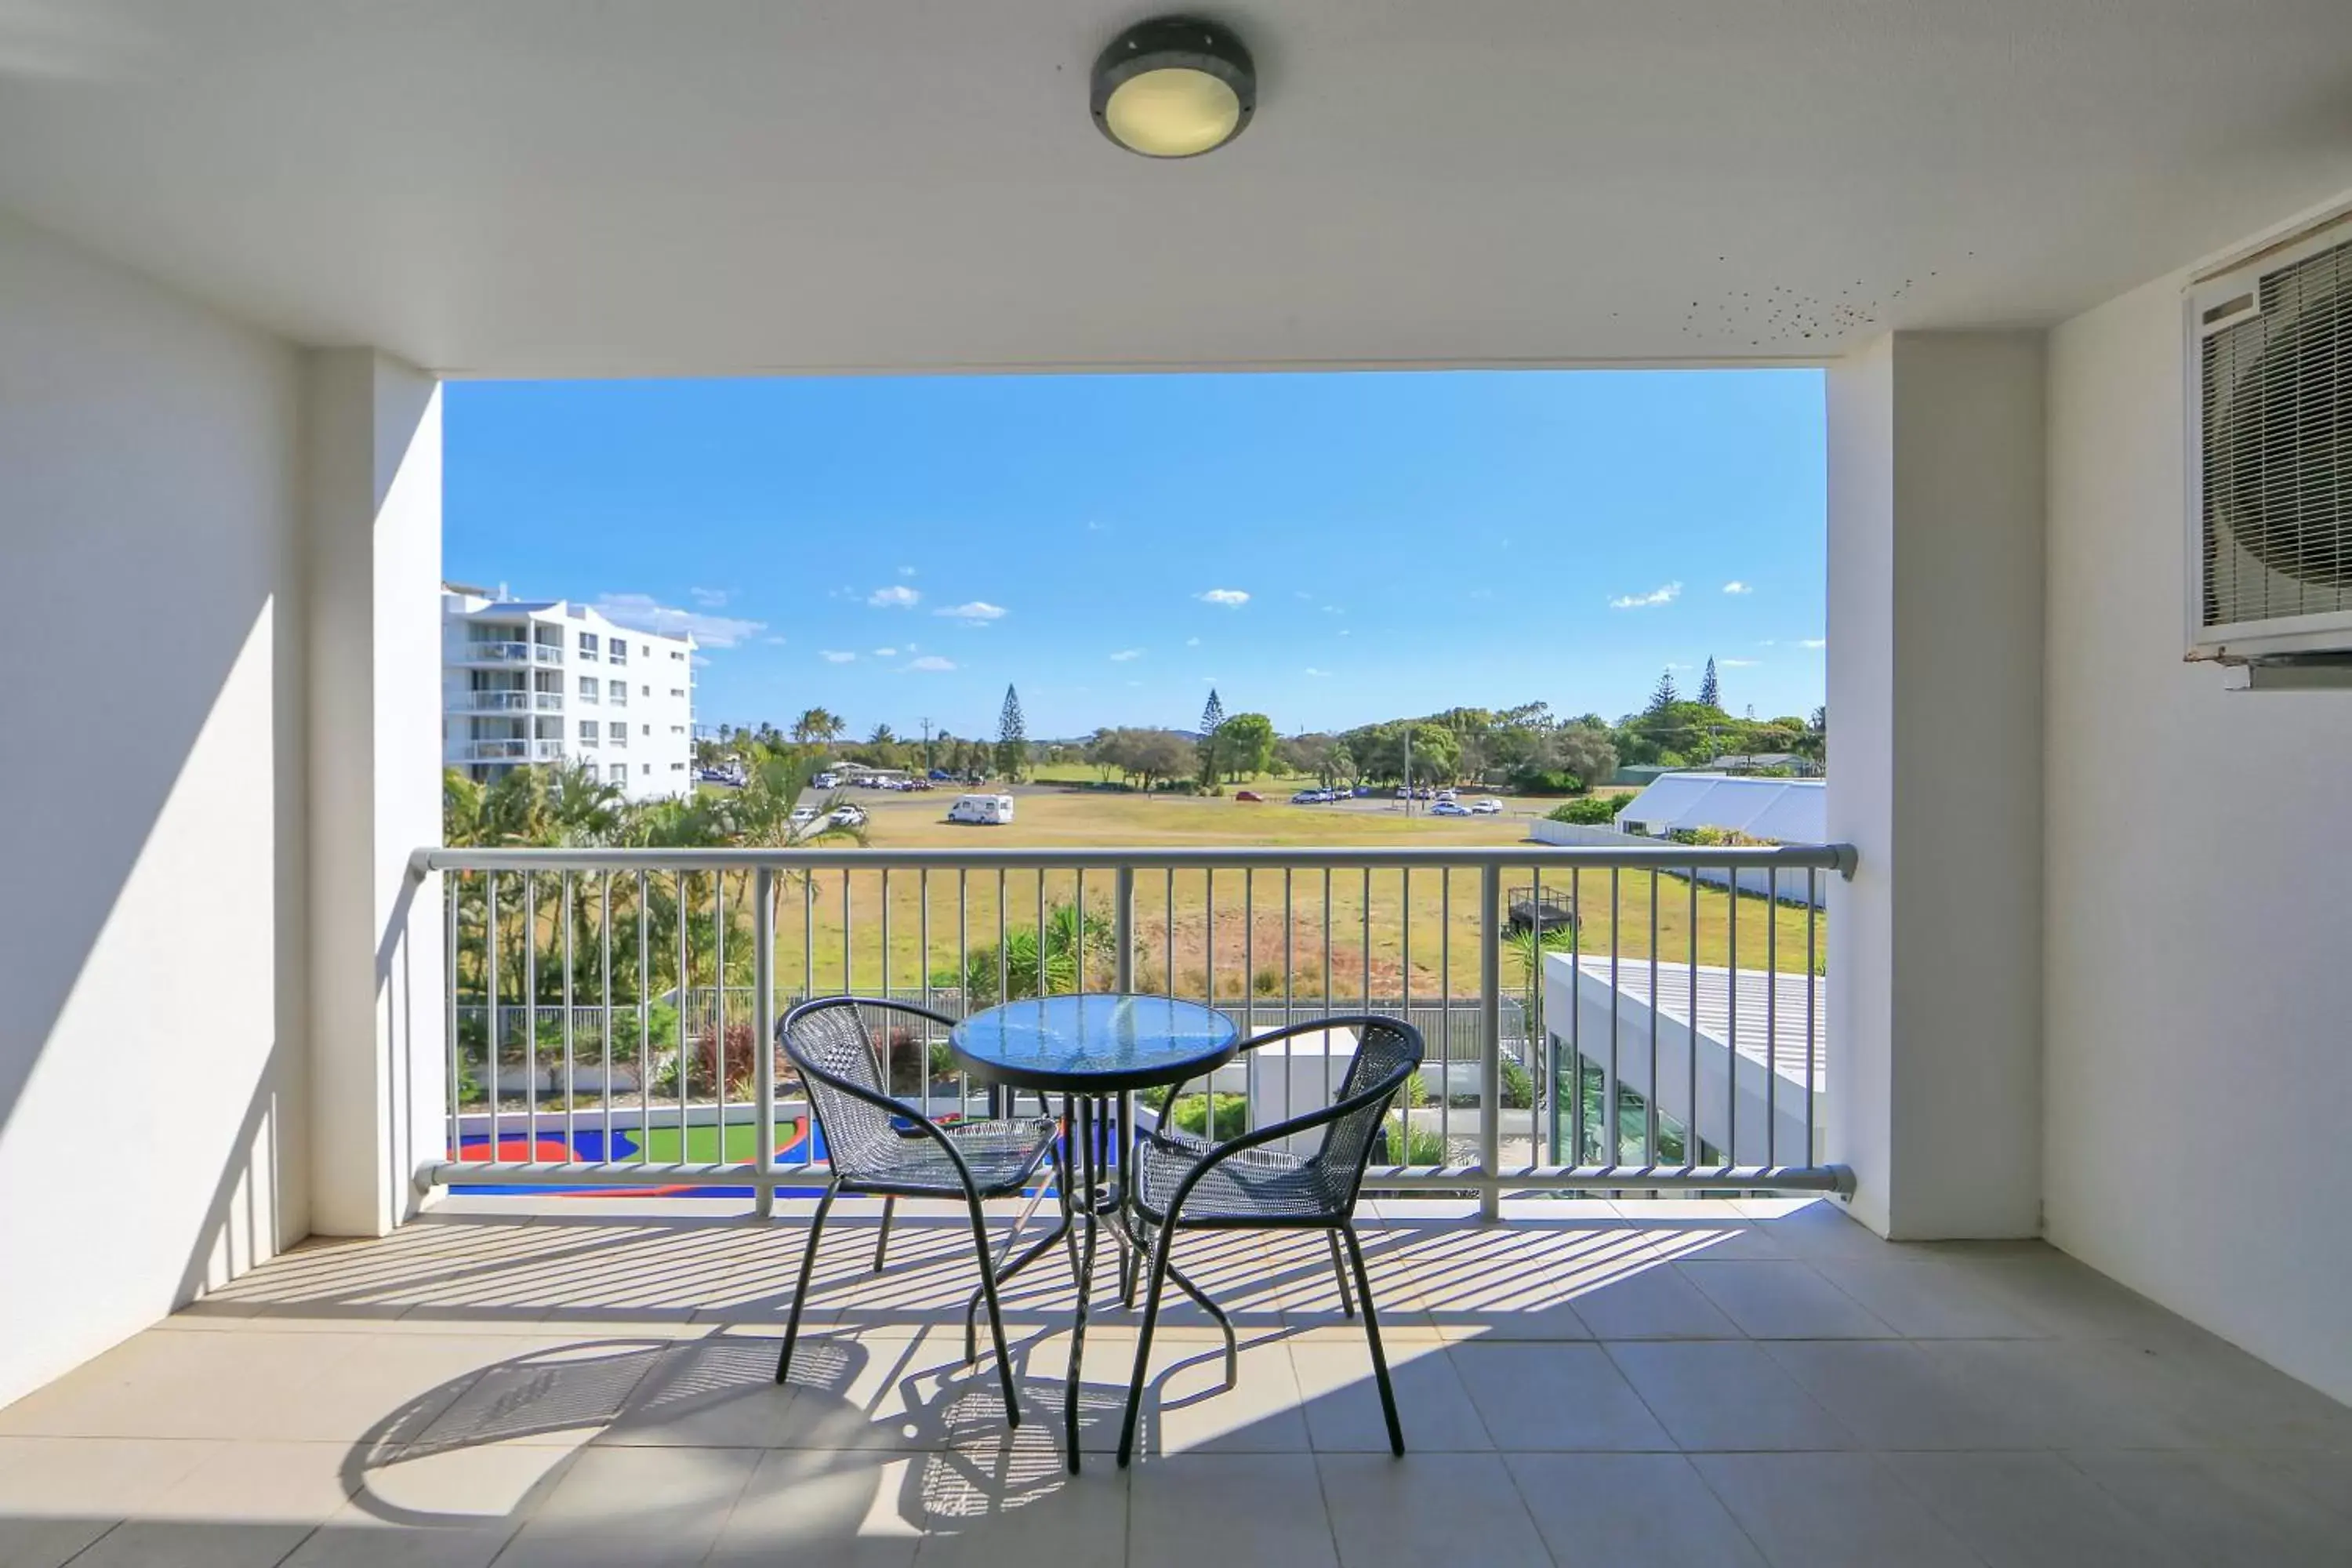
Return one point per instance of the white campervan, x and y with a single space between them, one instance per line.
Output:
987 808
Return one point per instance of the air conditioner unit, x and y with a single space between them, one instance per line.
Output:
2270 455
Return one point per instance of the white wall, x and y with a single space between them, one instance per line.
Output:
2198 922
151 944
1936 584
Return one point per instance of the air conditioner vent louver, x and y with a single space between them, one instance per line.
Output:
2274 419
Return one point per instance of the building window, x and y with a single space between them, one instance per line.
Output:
648 729
677 767
676 655
620 773
588 689
648 768
644 691
618 735
677 729
587 732
620 693
677 692
617 651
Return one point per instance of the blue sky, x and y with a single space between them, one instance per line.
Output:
1326 549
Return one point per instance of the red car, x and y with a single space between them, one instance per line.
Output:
1248 794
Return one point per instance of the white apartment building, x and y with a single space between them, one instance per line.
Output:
551 681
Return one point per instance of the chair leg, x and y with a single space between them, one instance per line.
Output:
995 1318
1159 1255
1372 1337
882 1242
800 1291
1340 1273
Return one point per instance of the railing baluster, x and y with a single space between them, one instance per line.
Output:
1446 1007
450 883
490 1039
644 1019
1657 1007
1812 1001
685 1026
1690 1038
1043 988
530 1012
1771 1009
1576 1003
604 1032
719 1017
571 1094
1612 1128
1490 1031
763 1038
1731 1004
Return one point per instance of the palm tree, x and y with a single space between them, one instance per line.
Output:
881 736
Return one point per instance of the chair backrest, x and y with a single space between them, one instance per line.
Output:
1386 1048
830 1037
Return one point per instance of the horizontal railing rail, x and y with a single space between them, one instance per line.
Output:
1597 1019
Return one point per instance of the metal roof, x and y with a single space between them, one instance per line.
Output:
1772 1008
1786 811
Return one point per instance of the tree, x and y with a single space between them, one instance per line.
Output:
1710 695
1666 694
1212 720
1012 738
881 736
1587 753
1246 742
818 726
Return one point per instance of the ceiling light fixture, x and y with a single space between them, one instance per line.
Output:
1174 88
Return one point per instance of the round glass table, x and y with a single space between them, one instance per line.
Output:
1095 1050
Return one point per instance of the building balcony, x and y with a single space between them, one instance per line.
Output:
510 751
495 653
490 702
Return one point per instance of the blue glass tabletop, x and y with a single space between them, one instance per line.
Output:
1094 1044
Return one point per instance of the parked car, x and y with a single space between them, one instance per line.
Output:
1247 795
941 776
1424 792
1446 795
850 816
1490 806
1362 790
804 815
1449 808
827 781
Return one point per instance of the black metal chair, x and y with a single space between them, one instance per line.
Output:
1250 1183
883 1147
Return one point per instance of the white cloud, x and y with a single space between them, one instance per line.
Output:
1135 683
1312 671
1344 632
906 571
1094 526
1812 642
643 612
1665 593
774 641
708 598
835 655
977 613
931 661
1192 642
1738 663
913 646
886 653
1302 594
1736 588
1333 610
898 596
1125 654
1231 598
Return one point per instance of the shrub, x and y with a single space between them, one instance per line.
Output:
1519 1087
1192 1112
1590 811
1401 1143
1267 981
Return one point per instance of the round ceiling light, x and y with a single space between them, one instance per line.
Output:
1174 88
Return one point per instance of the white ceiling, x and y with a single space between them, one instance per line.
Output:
551 187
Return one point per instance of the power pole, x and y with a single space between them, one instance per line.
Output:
927 748
1408 770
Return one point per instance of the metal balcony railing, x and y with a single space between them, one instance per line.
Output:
493 701
611 1012
548 702
497 652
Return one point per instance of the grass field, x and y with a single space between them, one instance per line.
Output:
1381 928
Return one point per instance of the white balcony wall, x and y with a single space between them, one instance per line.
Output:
2198 1069
152 1080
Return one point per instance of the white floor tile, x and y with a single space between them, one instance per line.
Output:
1428 1507
1831 1511
1632 1509
1727 1394
1547 1396
1266 1512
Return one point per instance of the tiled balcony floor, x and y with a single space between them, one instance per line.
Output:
587 1383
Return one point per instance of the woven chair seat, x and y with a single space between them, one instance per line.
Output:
1002 1154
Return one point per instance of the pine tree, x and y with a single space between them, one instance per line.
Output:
1666 695
1012 738
1709 694
1213 718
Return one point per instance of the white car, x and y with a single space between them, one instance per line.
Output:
1490 806
803 816
1449 808
852 816
826 781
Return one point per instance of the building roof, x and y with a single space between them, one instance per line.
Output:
1771 1007
1786 811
